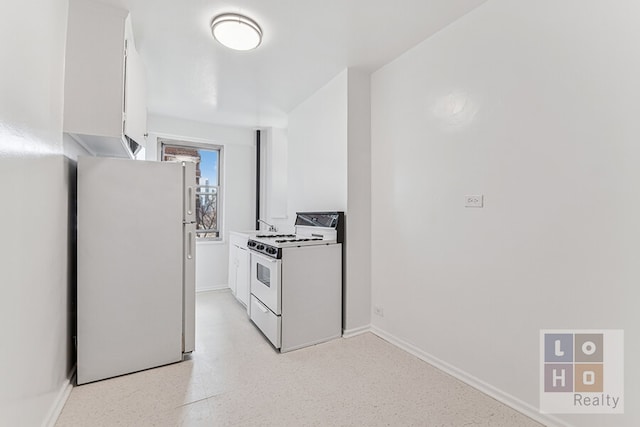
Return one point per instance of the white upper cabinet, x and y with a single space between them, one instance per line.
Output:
105 94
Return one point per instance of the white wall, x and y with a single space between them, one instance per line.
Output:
357 294
36 284
329 169
318 151
72 149
534 105
274 180
238 181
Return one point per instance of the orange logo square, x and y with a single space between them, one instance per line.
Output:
588 377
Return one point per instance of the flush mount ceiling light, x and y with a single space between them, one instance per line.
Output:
236 31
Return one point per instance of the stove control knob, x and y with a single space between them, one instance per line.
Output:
260 247
251 244
272 251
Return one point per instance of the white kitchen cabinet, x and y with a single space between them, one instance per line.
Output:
239 266
242 276
104 93
233 267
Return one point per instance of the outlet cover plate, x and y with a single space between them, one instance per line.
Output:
474 201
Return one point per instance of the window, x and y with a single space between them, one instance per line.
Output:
207 160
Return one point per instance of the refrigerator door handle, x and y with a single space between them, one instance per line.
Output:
190 201
190 245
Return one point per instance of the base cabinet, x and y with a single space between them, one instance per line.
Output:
242 275
239 267
233 267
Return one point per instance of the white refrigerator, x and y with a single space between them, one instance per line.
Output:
136 265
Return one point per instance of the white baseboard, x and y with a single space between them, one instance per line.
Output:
61 399
499 395
211 288
348 333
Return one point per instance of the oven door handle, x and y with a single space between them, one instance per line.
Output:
264 258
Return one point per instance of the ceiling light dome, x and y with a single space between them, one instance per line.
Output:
236 31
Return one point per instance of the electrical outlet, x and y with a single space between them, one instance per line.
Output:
378 311
473 201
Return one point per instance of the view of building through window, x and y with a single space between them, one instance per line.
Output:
208 184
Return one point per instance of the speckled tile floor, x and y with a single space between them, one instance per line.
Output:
235 378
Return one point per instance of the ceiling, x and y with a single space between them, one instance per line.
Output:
306 43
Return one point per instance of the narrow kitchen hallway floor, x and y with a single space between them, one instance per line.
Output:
235 378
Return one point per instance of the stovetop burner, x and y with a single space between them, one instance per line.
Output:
274 236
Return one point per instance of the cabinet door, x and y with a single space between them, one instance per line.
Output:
233 267
94 67
135 107
242 276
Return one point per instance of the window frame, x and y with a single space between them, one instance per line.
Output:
199 145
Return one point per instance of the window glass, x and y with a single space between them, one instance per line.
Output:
207 162
264 275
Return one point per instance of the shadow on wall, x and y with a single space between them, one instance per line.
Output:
72 277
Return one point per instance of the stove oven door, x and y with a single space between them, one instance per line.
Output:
266 281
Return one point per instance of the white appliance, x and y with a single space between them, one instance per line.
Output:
296 282
136 265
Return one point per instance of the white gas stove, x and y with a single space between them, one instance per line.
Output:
318 228
296 281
